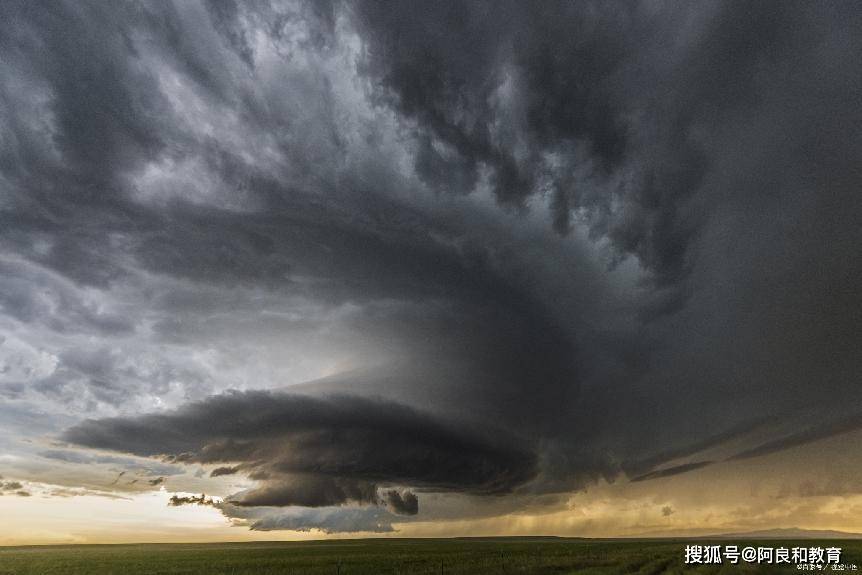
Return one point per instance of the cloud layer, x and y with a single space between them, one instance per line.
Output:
316 452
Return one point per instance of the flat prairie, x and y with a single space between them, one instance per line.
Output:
403 556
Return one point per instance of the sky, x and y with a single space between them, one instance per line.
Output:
291 270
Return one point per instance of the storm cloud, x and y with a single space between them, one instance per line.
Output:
352 253
321 451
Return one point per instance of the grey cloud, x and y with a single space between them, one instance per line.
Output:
142 467
68 456
320 450
58 303
219 471
509 85
69 492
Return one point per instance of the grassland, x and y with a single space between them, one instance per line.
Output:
390 557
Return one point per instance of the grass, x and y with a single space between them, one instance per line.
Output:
392 557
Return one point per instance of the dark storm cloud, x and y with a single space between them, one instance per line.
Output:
306 490
316 490
200 196
509 86
322 451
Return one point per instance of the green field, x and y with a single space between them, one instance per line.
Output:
392 556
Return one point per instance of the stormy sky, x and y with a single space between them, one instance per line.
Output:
348 266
